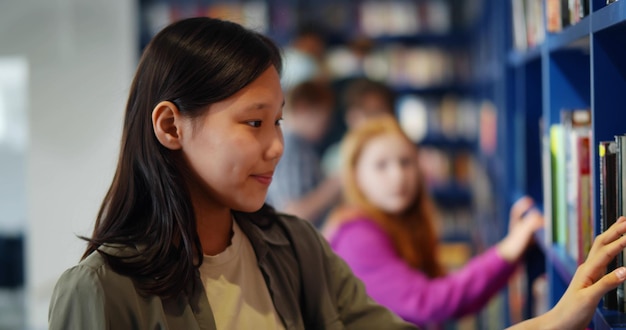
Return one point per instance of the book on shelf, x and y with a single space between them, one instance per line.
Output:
546 176
535 22
577 185
557 168
612 162
519 24
568 184
557 15
584 199
578 9
620 144
607 153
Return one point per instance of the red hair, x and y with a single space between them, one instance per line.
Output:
412 232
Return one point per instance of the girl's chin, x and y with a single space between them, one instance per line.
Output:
249 207
395 210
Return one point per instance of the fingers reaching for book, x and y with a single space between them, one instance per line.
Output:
605 247
607 282
576 307
614 232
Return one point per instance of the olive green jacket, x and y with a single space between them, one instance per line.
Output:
310 286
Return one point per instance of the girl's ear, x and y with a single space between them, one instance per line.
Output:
167 124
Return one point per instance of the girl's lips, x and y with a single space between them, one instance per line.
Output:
264 179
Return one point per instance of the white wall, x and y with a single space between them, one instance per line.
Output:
13 143
81 56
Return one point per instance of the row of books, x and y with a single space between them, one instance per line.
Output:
253 14
449 118
456 224
402 65
566 164
563 13
444 169
373 18
529 25
568 188
391 18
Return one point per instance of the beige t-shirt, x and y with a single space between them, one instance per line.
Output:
236 289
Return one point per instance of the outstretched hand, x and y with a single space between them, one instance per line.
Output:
523 222
576 308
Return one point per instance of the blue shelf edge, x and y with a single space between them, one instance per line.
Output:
608 16
569 35
606 319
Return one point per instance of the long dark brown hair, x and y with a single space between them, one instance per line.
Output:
192 63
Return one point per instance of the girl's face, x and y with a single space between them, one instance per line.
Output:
387 173
235 146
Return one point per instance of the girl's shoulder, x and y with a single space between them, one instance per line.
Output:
95 270
360 225
348 221
92 281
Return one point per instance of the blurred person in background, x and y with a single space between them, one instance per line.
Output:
362 99
299 186
303 58
386 232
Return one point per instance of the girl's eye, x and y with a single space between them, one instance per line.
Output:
278 122
254 123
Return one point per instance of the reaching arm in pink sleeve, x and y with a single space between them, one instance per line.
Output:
408 292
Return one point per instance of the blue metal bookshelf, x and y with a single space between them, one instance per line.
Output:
581 66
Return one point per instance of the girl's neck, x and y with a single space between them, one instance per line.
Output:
214 224
214 230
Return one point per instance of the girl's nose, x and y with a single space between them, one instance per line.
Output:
276 148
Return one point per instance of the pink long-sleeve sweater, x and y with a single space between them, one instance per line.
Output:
408 292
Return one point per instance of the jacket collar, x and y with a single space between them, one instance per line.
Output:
261 229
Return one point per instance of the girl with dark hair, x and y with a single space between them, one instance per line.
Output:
184 218
183 239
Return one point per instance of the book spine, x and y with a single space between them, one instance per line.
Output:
559 205
621 185
547 188
585 219
570 183
608 208
553 15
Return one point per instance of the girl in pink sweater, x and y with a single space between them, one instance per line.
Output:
385 231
